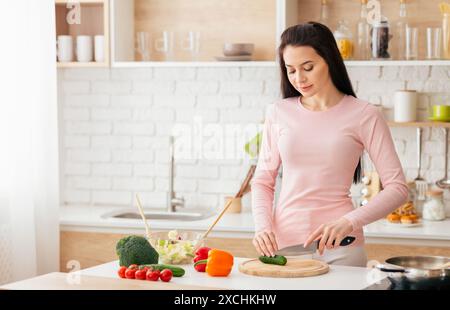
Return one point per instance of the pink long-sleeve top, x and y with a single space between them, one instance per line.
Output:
319 151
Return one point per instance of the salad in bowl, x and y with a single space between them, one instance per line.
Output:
175 247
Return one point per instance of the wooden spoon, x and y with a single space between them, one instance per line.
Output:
240 193
141 211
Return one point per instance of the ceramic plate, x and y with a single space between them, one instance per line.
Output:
234 58
400 225
438 119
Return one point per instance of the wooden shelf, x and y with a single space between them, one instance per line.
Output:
75 64
217 21
213 63
384 63
144 64
419 124
421 14
269 17
80 1
94 21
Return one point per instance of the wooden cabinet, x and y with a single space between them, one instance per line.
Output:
421 14
258 21
92 249
249 21
83 17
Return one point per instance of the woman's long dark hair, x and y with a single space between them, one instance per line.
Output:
321 39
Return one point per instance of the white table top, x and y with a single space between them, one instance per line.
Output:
338 278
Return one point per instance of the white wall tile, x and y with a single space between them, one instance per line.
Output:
116 122
88 155
111 114
196 87
88 100
111 87
75 141
115 169
133 183
131 74
153 87
91 74
83 182
75 87
90 128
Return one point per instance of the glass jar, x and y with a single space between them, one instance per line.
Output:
344 40
363 34
446 35
433 208
380 36
412 196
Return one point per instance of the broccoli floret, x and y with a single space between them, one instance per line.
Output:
136 250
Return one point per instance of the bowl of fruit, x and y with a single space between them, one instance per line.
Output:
175 247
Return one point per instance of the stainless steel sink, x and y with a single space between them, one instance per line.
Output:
158 215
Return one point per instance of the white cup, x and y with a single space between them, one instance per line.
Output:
405 106
65 48
84 49
99 48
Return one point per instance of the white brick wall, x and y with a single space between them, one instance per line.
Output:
115 123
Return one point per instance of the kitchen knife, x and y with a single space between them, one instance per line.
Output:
298 249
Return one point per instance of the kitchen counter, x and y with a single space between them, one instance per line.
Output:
89 219
240 225
339 277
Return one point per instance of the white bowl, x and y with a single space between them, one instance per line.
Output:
238 49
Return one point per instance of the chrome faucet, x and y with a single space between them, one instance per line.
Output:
172 201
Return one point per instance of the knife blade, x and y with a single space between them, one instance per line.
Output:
298 249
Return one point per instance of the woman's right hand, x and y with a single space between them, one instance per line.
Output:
265 243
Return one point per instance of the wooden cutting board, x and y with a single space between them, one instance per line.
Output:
59 281
294 268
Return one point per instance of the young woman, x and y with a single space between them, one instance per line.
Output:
319 132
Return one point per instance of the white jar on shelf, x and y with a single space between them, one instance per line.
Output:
405 106
433 208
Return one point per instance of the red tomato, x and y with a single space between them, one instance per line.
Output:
130 273
121 271
166 275
133 266
152 275
140 274
145 269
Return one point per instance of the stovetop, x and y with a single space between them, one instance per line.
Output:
386 284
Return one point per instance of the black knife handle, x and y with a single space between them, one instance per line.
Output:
346 241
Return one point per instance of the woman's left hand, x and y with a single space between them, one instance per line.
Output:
327 233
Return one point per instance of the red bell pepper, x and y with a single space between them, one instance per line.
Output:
201 254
